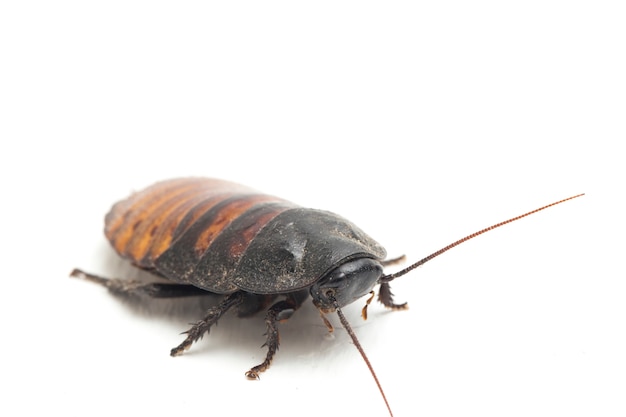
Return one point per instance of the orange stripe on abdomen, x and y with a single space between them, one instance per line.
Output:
226 215
141 227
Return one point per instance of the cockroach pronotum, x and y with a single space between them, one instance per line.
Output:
208 235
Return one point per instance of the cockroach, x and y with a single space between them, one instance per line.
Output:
208 235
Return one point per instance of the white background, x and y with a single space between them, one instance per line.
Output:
419 121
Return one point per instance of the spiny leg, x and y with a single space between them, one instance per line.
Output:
280 311
137 288
385 297
203 326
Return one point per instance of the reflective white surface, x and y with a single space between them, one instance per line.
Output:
421 124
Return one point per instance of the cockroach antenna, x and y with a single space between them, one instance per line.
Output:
388 278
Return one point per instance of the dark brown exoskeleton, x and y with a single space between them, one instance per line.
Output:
208 235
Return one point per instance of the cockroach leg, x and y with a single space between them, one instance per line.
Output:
393 261
280 311
131 288
385 297
203 326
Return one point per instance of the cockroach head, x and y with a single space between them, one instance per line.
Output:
346 283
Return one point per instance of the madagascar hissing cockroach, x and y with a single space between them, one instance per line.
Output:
208 235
